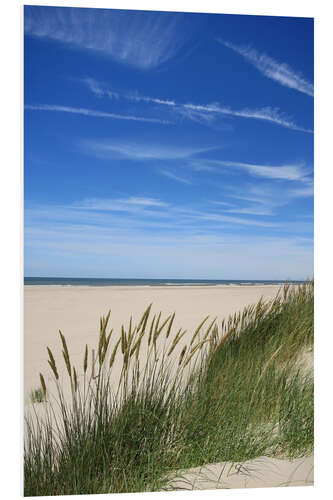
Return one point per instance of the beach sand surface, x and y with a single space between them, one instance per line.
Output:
76 310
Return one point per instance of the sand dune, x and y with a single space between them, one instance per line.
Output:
262 472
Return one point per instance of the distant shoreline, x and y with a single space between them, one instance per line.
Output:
103 282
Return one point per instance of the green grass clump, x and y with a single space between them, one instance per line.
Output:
37 395
234 392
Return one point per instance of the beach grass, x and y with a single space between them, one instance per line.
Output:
235 391
37 395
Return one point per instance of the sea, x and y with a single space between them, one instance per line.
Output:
147 282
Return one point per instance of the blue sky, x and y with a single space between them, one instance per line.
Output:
168 145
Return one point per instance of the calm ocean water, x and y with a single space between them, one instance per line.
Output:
144 282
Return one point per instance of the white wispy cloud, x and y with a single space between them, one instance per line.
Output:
220 217
140 151
141 39
98 88
269 67
267 200
145 202
134 212
284 172
253 199
268 114
175 177
202 113
102 89
196 113
302 192
92 113
133 203
223 203
155 100
250 211
181 160
217 217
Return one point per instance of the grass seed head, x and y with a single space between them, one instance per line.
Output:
176 340
198 329
42 381
66 354
85 359
144 319
182 354
209 329
75 379
170 325
114 352
159 330
136 346
52 363
123 340
224 339
67 363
